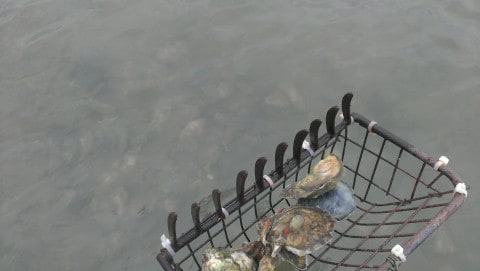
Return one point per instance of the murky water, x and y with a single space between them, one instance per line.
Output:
114 113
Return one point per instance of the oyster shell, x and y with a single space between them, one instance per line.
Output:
267 263
221 259
339 201
324 177
314 232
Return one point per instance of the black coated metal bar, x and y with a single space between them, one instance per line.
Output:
345 142
193 256
434 180
374 169
417 180
360 160
394 171
210 239
244 232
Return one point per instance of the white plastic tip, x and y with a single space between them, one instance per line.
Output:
397 250
443 160
225 212
370 126
268 180
167 244
306 146
461 188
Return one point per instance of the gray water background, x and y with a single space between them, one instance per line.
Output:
114 113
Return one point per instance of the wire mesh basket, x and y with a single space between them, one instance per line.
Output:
402 194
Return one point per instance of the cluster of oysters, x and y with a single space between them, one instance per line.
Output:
294 232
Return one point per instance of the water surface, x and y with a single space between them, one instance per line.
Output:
114 113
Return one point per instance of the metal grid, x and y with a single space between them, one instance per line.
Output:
400 198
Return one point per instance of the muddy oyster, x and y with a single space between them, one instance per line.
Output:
299 229
324 177
339 202
243 258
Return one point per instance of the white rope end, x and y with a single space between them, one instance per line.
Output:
461 188
268 180
442 160
306 146
397 250
167 244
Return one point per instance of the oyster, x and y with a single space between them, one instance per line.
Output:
324 177
267 263
243 258
339 201
300 229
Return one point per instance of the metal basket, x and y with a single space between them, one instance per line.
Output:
403 195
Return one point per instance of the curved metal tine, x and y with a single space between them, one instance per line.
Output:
218 205
259 167
195 210
330 120
297 145
314 126
330 124
346 102
172 229
220 211
279 155
240 185
347 117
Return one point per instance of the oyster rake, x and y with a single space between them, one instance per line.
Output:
403 195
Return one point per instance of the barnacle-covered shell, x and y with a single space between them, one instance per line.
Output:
339 201
267 263
314 232
324 177
255 250
220 259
